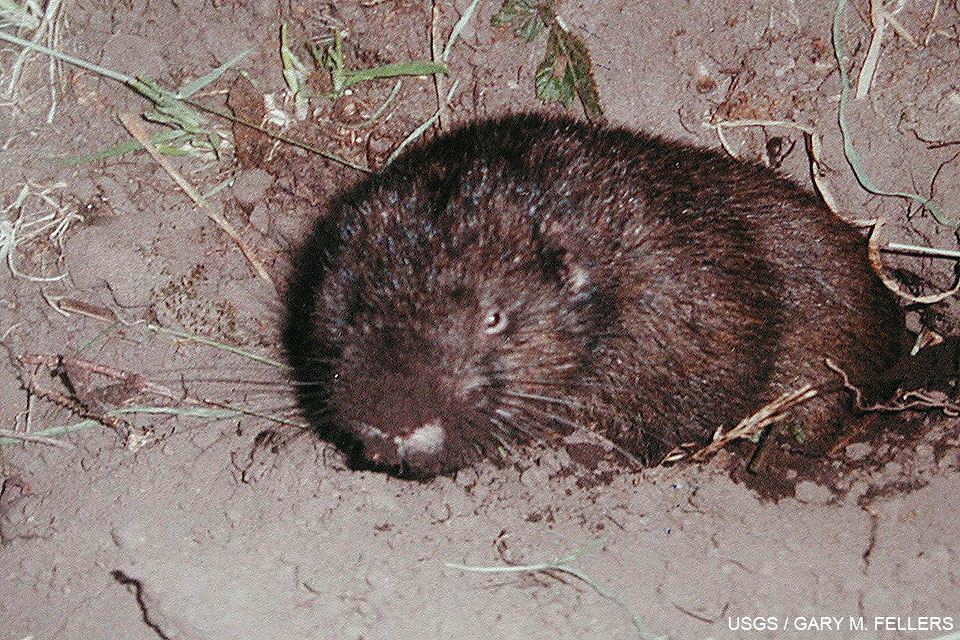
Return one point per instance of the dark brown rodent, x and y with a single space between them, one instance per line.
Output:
525 275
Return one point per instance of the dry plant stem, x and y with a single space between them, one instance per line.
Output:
931 252
772 412
134 380
876 261
878 18
69 306
120 426
818 174
858 401
439 80
811 142
909 400
130 121
26 437
278 137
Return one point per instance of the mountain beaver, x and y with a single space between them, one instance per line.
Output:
528 275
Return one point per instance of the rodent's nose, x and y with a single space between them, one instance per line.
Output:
423 441
402 403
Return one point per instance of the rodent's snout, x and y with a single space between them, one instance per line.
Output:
402 416
415 450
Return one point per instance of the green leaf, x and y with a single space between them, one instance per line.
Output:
191 88
392 70
525 16
552 81
294 71
566 71
159 139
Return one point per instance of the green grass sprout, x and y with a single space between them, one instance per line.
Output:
851 155
179 113
160 140
172 108
564 564
295 75
218 345
342 78
65 57
188 90
165 99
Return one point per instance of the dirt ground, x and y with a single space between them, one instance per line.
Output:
202 525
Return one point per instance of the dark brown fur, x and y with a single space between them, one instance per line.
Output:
524 275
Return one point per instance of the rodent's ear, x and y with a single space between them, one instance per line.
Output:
561 265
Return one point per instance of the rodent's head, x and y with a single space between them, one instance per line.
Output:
421 342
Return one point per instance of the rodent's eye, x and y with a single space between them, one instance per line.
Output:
495 321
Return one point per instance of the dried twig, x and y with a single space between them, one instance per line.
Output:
748 427
132 124
916 399
54 365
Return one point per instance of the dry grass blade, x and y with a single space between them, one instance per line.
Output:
748 427
7 434
876 261
419 131
45 26
813 146
564 565
218 345
48 433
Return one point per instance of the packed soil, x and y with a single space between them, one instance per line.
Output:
204 512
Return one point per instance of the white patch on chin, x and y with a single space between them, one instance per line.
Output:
428 440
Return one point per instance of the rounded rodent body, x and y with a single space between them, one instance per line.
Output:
523 276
